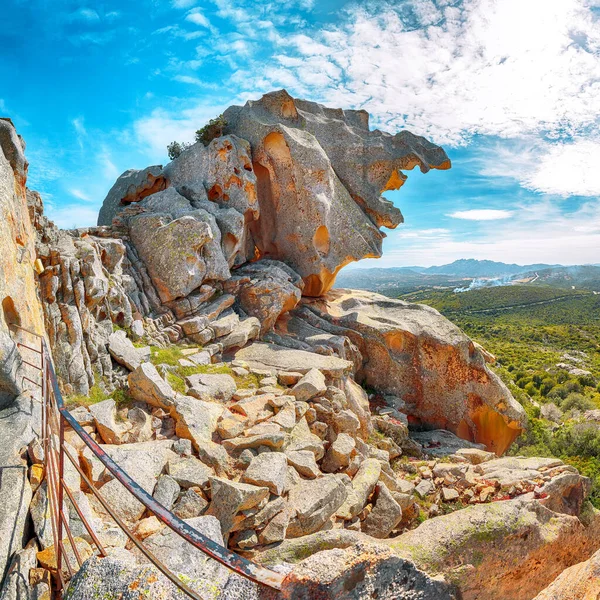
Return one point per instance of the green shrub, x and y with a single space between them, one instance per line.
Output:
213 129
575 401
174 149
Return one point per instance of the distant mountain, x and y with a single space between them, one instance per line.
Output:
468 274
470 267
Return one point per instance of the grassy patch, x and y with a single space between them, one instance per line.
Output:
171 355
96 394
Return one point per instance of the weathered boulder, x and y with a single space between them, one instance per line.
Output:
304 462
124 352
339 453
18 427
219 180
210 388
266 289
16 584
132 186
166 491
244 332
311 385
314 502
174 250
268 469
105 417
362 571
229 497
143 462
272 356
384 517
188 471
579 582
412 351
363 485
10 370
122 577
308 199
511 549
146 385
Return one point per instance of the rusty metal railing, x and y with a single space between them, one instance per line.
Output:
55 418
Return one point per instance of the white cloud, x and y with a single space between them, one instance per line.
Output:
198 18
562 168
568 169
72 215
483 214
540 232
85 14
192 81
80 130
155 132
79 194
183 3
505 68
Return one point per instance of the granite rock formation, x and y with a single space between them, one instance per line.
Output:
320 174
202 299
412 352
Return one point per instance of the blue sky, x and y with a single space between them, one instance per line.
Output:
510 88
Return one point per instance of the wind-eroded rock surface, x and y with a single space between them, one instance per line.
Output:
320 174
411 351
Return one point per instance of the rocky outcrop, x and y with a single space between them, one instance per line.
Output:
294 448
579 582
19 299
320 173
510 549
19 425
131 186
412 352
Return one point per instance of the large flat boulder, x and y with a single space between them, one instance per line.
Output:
362 571
265 356
18 427
411 351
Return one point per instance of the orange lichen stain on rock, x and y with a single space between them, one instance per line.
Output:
463 431
224 150
317 285
492 430
290 304
288 109
395 341
396 181
250 190
234 180
321 240
277 147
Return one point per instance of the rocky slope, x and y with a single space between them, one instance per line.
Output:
231 383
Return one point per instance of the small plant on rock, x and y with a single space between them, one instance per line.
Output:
213 129
174 149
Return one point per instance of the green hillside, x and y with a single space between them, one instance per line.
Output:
547 344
